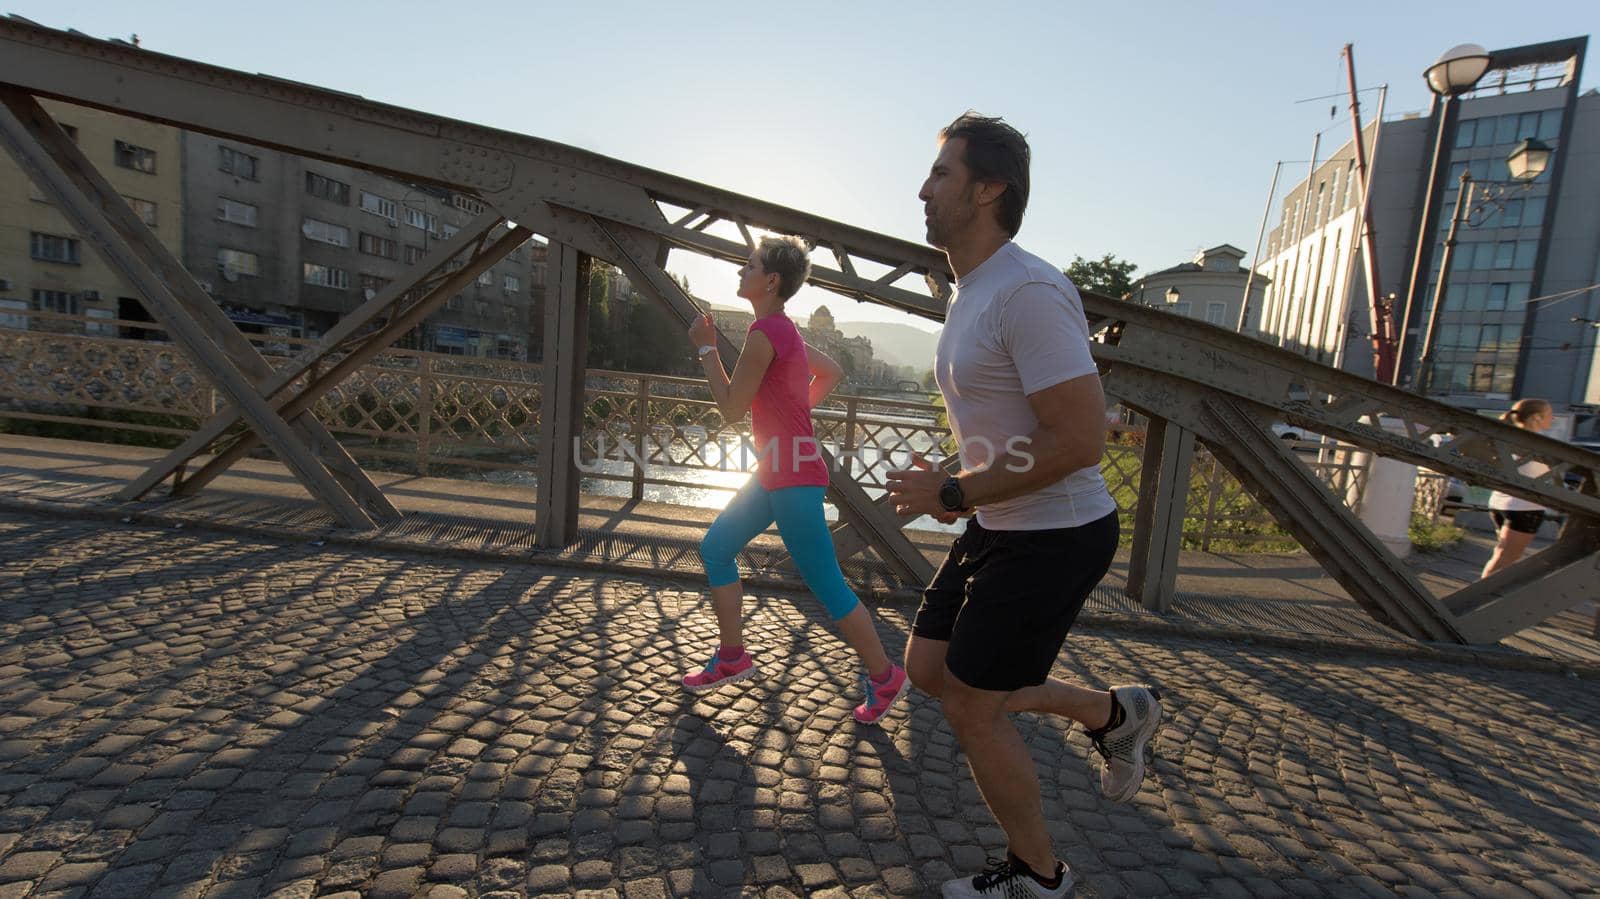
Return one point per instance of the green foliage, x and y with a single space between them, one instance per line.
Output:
1431 536
1107 275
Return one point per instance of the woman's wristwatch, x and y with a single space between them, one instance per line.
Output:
707 349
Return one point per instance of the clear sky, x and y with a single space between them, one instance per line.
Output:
1155 126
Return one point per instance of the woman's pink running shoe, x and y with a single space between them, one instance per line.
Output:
720 671
881 696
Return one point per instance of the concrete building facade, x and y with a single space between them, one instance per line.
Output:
1524 261
1211 288
45 265
286 244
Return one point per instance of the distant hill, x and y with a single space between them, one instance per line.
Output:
895 343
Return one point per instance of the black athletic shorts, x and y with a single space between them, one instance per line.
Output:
1005 599
1524 522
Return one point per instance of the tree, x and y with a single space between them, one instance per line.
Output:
1107 275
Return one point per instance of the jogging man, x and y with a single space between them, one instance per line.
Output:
1024 400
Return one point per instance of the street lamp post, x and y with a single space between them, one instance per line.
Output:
1454 73
1173 295
1526 163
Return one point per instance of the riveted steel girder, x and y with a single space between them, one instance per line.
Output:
1222 386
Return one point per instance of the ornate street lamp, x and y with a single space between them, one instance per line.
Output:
1457 70
1172 298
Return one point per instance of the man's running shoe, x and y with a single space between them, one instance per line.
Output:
1122 743
881 696
1008 878
720 671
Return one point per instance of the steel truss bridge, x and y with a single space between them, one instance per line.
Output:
1194 381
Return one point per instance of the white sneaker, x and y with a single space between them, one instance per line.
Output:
1006 878
1123 747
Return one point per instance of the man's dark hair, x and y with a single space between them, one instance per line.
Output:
996 152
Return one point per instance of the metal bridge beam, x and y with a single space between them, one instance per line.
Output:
567 194
1158 519
196 324
566 358
384 307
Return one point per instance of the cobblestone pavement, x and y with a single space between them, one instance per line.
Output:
185 713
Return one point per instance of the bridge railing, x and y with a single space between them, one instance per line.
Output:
653 436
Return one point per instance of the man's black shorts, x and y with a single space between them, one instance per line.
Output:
1523 522
1005 599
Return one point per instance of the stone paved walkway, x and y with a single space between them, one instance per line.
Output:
188 713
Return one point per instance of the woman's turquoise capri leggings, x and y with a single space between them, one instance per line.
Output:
798 512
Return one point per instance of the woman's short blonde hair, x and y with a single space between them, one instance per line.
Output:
787 257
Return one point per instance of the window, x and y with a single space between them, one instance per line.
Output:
466 204
1527 251
237 164
482 308
1316 209
1550 124
1216 313
1533 212
1517 296
1181 309
416 218
510 312
325 276
1505 252
485 278
1350 184
325 232
238 262
144 209
373 245
137 158
1465 132
413 255
511 284
448 231
326 188
1509 217
372 282
55 301
1488 337
381 206
54 248
1333 194
1505 131
235 212
1527 125
1496 297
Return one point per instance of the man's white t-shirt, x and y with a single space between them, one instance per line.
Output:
1014 327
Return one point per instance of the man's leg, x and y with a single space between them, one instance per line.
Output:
1090 708
1003 769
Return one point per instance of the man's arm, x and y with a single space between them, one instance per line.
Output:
825 375
1071 436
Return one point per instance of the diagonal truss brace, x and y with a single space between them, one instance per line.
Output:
1556 578
103 218
433 284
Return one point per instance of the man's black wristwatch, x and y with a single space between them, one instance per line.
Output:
951 497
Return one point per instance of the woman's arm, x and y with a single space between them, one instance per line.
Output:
734 395
826 374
